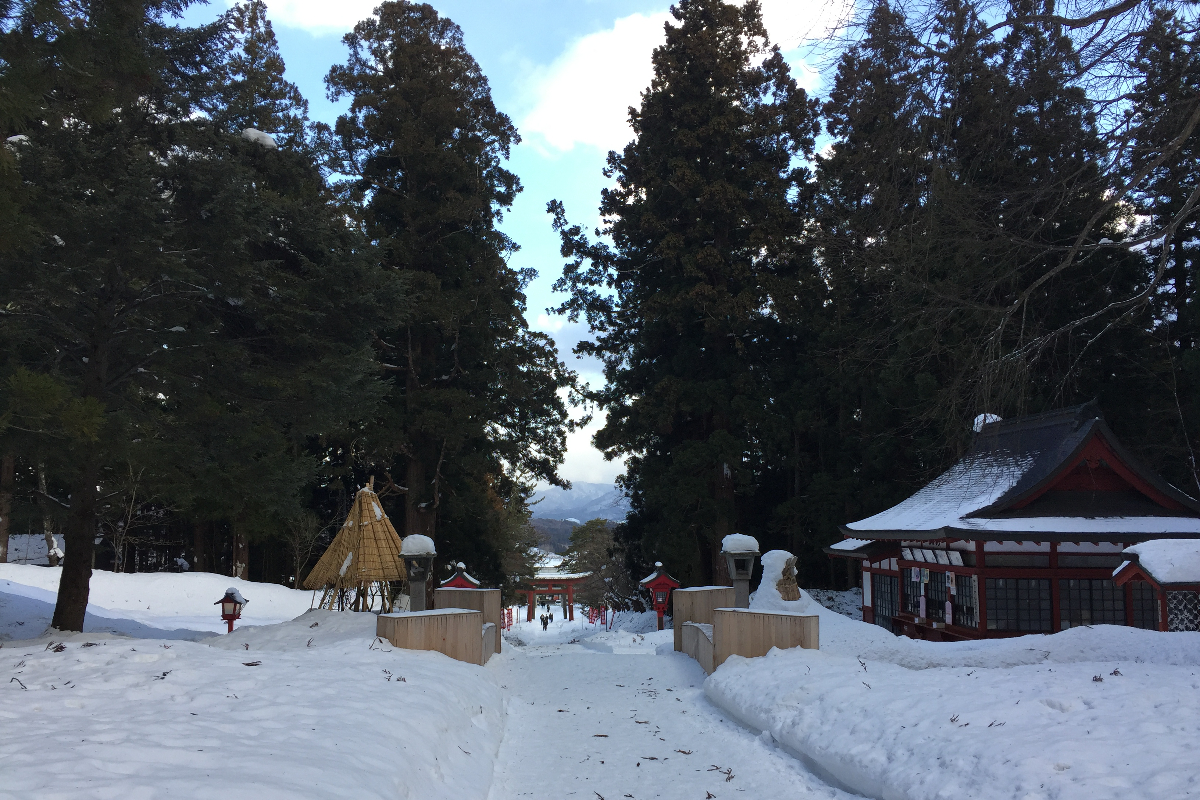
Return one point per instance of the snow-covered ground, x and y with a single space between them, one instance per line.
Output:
151 604
314 708
1087 714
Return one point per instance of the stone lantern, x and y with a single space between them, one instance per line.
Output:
740 553
418 552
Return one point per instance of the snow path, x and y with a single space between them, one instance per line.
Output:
627 724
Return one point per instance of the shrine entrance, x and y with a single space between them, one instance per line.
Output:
558 588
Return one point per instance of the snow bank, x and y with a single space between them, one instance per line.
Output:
1009 718
141 604
1170 560
739 543
312 708
417 545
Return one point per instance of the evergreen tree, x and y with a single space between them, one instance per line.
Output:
1163 101
196 287
707 198
474 414
594 550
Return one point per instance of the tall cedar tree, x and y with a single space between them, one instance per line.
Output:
706 200
474 415
192 286
1168 93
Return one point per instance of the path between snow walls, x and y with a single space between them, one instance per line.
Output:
616 715
1087 714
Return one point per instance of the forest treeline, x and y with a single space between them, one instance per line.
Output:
801 301
218 318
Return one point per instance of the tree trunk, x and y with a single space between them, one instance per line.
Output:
241 552
420 509
80 537
47 520
8 465
197 546
725 523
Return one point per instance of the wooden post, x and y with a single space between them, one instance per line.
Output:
532 602
980 588
571 603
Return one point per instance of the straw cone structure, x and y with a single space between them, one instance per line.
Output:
362 559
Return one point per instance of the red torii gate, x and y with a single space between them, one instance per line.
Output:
554 585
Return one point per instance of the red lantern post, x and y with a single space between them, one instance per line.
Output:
231 606
660 584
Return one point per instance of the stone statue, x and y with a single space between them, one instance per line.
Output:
786 586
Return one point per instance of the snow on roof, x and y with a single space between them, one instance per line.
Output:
1115 525
850 544
1169 560
739 543
1011 460
417 545
652 575
969 485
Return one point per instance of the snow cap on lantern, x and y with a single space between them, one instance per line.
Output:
418 552
740 552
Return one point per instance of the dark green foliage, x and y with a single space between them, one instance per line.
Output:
594 550
473 415
200 290
706 200
957 250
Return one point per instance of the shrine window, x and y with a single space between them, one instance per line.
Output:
1018 604
1090 602
912 590
935 596
1144 604
885 594
964 601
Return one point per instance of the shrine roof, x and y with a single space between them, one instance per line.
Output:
991 491
1167 561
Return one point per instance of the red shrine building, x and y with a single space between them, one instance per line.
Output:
1024 534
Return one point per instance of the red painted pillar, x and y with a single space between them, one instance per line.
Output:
532 603
570 602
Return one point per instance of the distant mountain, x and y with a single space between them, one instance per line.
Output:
583 502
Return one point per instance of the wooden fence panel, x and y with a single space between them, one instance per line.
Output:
697 605
456 632
741 632
486 601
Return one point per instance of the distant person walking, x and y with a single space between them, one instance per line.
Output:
545 622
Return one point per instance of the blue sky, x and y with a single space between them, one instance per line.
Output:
565 71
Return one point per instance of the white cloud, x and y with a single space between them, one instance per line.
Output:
583 97
549 324
584 462
319 16
791 23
